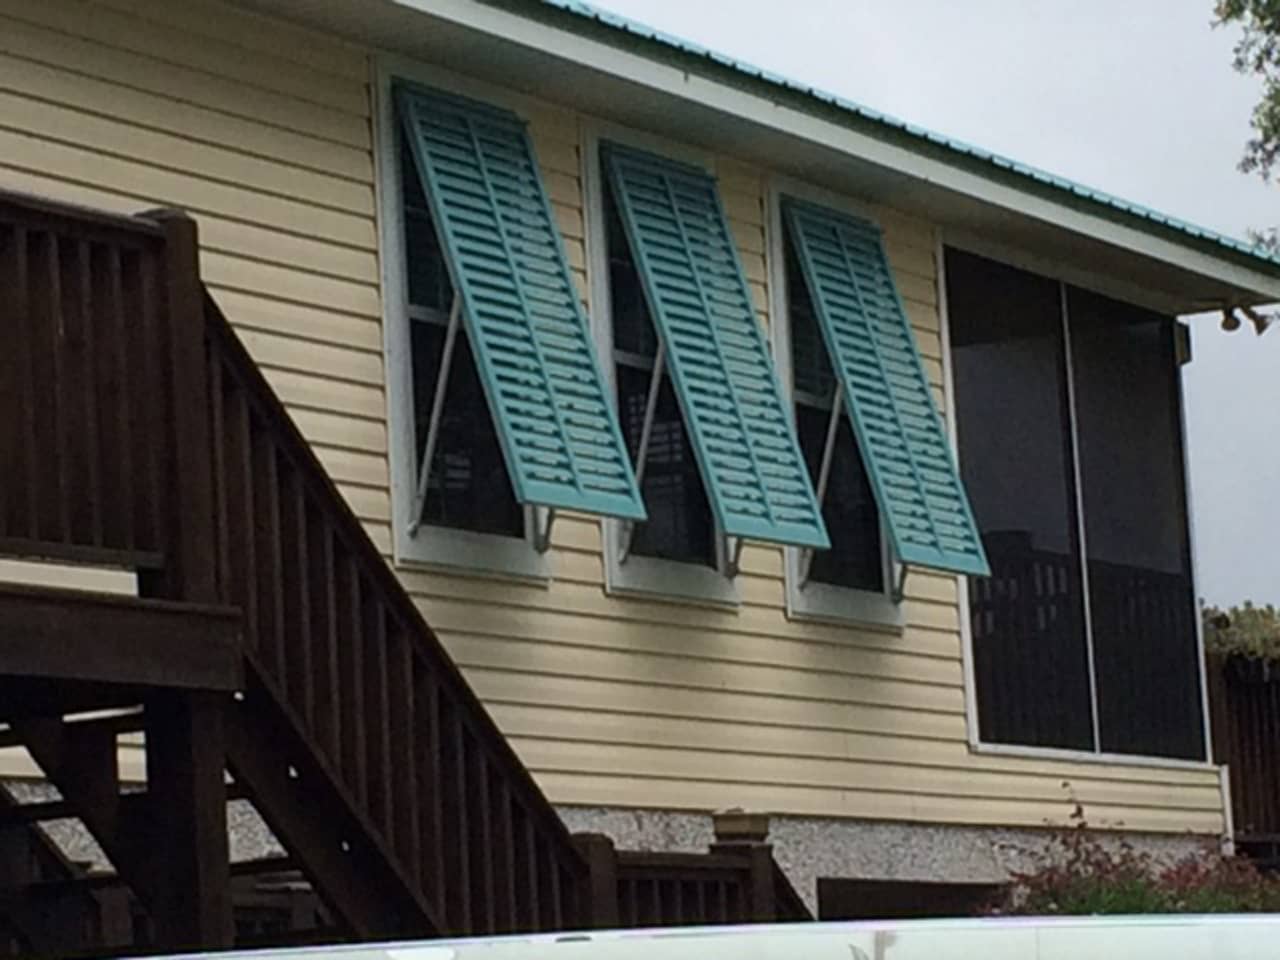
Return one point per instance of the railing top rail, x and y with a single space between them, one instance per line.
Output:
16 206
679 860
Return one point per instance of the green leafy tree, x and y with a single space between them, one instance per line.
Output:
1257 53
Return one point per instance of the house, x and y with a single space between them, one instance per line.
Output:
742 448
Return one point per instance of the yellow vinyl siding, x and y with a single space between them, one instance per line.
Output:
263 131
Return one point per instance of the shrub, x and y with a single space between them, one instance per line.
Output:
1082 872
1246 631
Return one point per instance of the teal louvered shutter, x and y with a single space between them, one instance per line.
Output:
873 351
525 325
715 350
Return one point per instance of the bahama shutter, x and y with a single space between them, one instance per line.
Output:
715 350
881 376
526 327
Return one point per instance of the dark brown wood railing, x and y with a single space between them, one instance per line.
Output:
733 883
136 430
336 643
85 383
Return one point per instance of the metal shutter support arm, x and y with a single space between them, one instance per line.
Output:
437 411
824 473
642 455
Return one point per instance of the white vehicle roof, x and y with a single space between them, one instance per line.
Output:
1070 938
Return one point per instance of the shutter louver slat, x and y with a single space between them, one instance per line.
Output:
873 351
523 320
719 363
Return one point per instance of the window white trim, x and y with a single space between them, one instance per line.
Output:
437 547
817 601
647 577
976 744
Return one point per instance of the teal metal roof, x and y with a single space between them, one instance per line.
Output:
1257 256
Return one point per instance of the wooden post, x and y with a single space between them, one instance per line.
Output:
745 835
601 909
187 806
190 572
186 746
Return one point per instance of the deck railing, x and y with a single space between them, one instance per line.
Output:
85 383
136 430
335 640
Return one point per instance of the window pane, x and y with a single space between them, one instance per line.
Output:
1141 598
1030 656
428 276
849 509
633 331
679 525
468 487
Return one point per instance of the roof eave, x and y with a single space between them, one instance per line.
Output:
973 197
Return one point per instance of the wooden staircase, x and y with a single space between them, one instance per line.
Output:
136 432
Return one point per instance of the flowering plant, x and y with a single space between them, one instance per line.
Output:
1083 872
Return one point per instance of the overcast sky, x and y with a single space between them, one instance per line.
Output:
1136 97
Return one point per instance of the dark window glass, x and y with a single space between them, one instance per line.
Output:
428 276
679 525
468 487
1142 607
849 510
1029 647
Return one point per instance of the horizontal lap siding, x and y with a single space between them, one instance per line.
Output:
262 130
662 704
259 129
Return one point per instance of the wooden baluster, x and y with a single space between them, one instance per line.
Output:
239 481
504 833
557 892
427 742
87 507
24 518
402 743
44 329
298 592
354 730
378 723
456 813
324 635
115 330
480 842
532 872
269 551
151 487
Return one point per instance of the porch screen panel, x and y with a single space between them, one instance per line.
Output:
869 339
715 350
1030 654
524 323
1141 599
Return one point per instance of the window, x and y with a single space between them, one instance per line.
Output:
701 407
856 559
873 440
680 526
499 412
1068 418
468 487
